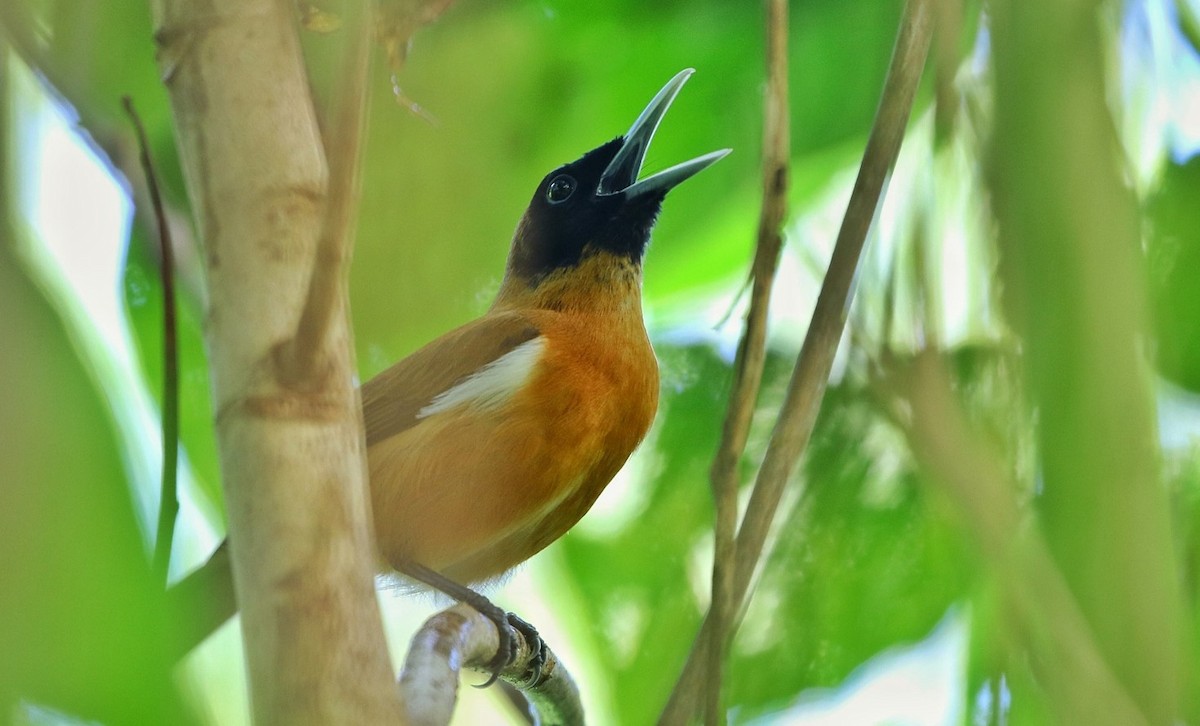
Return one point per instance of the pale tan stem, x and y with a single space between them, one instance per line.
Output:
751 353
802 401
291 460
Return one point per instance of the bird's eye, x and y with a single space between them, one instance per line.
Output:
560 189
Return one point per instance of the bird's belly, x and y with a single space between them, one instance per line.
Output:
472 493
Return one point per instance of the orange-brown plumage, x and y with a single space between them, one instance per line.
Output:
473 491
490 442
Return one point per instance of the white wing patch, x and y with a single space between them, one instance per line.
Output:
492 384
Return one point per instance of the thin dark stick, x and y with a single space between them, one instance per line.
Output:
810 376
343 144
168 508
751 353
800 406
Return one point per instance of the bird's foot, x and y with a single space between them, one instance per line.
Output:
507 626
535 673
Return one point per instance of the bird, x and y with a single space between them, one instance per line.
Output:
491 441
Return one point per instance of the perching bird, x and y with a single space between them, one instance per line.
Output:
490 442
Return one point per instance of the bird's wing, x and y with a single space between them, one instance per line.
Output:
393 400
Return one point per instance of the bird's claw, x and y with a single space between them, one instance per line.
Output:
535 673
507 627
506 649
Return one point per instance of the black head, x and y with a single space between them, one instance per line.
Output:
567 216
596 203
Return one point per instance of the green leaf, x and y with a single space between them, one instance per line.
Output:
864 561
1174 258
82 625
1001 686
1182 474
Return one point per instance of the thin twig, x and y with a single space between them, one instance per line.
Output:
168 509
343 146
802 402
810 376
397 21
461 637
751 353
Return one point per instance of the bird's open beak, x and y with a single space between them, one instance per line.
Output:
621 174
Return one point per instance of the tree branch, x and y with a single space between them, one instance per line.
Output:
302 360
810 376
291 460
461 637
751 352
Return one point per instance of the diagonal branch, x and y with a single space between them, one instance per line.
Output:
809 378
751 353
802 402
1084 687
302 358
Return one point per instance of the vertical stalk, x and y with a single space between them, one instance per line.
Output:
810 376
292 459
751 352
1070 253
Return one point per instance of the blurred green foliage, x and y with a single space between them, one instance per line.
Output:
81 620
1174 259
868 556
863 561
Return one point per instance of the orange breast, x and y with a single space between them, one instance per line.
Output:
473 492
